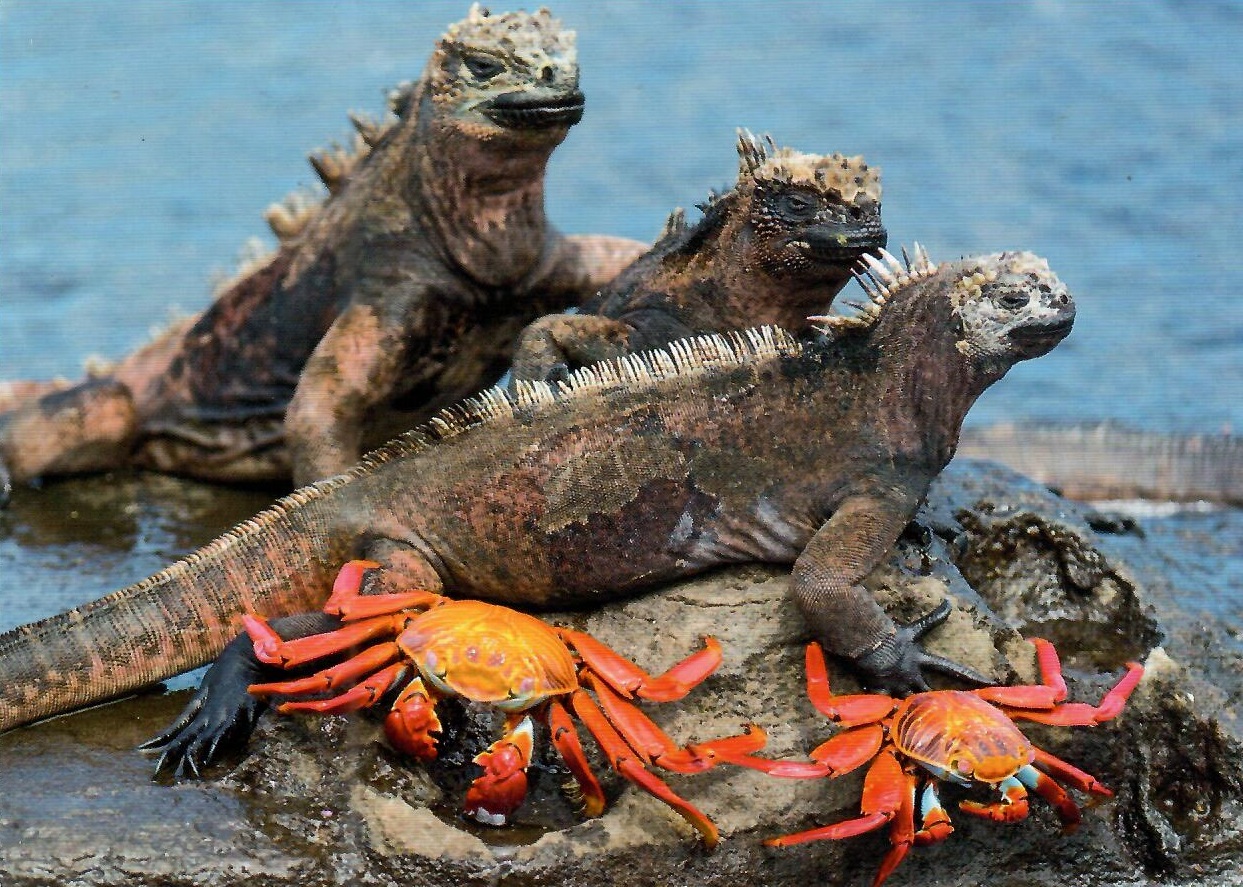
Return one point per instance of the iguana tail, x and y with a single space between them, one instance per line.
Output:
279 562
1111 462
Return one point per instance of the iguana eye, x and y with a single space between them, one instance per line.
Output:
482 67
797 205
1013 301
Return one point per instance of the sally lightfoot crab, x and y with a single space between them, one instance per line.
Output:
434 647
960 737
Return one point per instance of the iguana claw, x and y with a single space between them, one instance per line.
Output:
896 666
219 718
222 714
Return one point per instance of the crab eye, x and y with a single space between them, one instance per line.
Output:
482 67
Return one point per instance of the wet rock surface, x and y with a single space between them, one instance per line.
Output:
323 801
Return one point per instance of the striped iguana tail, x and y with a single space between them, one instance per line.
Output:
279 562
1112 462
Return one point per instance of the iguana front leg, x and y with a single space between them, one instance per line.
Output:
583 263
845 617
222 714
355 367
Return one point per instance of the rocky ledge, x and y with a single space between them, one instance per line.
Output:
325 802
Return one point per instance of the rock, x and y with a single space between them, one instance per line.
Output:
323 801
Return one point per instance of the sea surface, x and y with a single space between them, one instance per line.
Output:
141 141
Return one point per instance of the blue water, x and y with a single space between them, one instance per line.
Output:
140 141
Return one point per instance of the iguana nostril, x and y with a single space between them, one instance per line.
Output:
546 74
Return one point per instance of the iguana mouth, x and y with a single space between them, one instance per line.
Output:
1035 339
522 110
834 244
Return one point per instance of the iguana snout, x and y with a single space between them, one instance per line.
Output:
534 110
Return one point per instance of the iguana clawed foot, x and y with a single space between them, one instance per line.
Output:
896 666
222 714
215 721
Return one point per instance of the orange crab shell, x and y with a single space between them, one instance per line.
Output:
488 653
961 736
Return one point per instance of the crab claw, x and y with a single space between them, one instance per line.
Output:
493 797
412 720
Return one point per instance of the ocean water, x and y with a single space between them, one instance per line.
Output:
140 141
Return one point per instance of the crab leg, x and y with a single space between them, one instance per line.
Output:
849 711
1045 786
885 790
627 762
367 662
566 740
901 831
840 754
347 602
935 825
1080 714
359 696
1081 780
629 680
493 797
271 649
654 746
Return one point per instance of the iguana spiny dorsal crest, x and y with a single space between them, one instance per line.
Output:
855 183
880 279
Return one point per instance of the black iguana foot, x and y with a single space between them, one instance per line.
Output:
219 719
896 666
222 714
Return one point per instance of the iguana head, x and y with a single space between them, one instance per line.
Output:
507 76
1009 307
809 215
994 310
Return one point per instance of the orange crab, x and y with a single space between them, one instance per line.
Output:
962 737
440 647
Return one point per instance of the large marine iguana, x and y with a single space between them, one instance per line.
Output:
405 287
773 249
631 473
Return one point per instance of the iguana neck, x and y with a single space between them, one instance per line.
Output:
926 385
484 198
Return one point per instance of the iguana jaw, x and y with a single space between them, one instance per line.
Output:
1039 337
838 244
525 110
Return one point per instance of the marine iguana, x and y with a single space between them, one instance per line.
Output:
405 287
773 249
1109 461
634 472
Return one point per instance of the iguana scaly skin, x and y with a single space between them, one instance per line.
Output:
405 288
775 248
632 473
